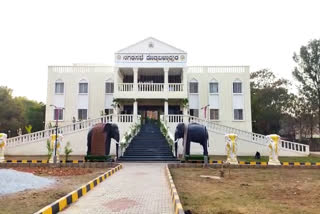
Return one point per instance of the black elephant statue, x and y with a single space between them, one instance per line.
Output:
193 132
99 139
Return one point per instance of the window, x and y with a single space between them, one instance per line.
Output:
193 87
83 88
213 87
82 114
194 112
58 114
237 87
238 114
108 111
214 114
109 87
59 87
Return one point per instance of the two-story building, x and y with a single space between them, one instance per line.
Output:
149 78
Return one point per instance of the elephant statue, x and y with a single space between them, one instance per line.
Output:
99 139
193 132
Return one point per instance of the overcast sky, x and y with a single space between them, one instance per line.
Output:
261 34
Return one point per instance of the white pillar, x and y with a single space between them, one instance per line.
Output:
166 108
115 79
135 79
135 110
166 78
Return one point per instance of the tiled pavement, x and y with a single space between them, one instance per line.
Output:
139 188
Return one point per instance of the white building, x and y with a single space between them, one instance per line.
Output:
150 78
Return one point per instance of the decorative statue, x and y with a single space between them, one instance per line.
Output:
3 142
231 148
99 139
273 144
52 144
193 132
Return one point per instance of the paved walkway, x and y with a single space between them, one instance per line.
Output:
138 188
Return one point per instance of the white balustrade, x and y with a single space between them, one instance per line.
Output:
175 87
150 87
125 118
175 118
67 129
125 86
244 135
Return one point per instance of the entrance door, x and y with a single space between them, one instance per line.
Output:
150 112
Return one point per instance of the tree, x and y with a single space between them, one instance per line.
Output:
270 101
307 73
11 112
19 112
34 113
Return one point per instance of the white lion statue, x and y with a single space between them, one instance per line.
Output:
273 145
52 144
3 142
231 148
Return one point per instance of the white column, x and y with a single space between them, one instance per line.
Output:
135 110
166 78
115 79
135 79
166 108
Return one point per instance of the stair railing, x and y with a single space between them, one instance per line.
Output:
68 129
244 135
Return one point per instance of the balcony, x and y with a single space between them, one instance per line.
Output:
151 90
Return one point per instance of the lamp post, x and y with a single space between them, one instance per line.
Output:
56 138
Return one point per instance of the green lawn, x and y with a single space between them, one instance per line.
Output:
311 159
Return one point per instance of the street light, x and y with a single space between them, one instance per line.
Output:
56 139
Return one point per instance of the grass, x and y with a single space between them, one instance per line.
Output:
311 159
249 191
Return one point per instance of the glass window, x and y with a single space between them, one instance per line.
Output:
82 114
108 111
83 88
59 88
237 87
214 87
238 114
109 87
214 114
194 112
193 87
58 114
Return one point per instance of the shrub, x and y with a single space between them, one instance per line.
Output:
49 150
67 151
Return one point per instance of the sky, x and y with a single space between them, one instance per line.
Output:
37 33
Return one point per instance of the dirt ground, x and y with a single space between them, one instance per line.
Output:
248 191
30 201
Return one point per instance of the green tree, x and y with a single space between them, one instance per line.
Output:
34 113
307 73
19 112
270 101
11 112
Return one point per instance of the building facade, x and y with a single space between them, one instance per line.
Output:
149 78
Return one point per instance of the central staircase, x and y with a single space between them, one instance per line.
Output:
148 145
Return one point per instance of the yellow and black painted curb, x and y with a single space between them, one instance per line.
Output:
72 197
174 194
42 161
258 163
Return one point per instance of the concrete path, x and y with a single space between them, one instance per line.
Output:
139 188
